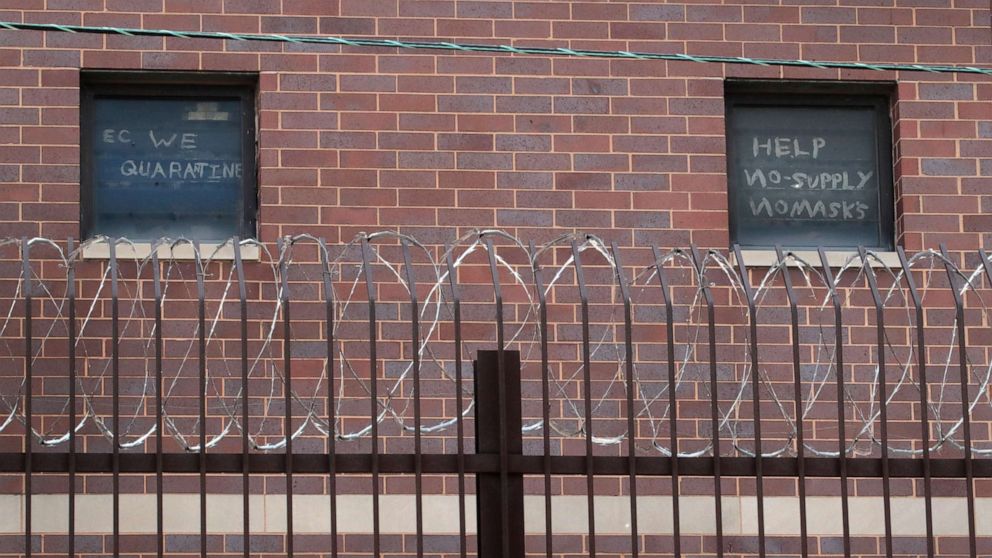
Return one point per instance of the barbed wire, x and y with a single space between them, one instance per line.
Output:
376 42
519 262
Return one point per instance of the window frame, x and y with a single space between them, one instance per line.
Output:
171 85
878 96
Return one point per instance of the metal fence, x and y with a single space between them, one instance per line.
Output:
574 354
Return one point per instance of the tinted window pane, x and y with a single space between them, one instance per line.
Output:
167 167
805 176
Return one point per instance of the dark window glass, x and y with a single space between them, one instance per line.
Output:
810 170
168 161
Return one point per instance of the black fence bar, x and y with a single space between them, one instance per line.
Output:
498 427
503 401
26 292
373 393
245 415
287 370
882 398
542 301
201 327
586 397
418 453
752 312
70 293
628 347
921 355
159 422
714 398
797 394
673 436
969 485
969 468
759 481
440 464
456 309
116 401
332 468
842 471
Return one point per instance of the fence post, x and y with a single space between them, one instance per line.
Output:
489 492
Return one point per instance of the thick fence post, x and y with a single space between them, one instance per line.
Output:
489 487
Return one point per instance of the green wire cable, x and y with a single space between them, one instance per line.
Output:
504 49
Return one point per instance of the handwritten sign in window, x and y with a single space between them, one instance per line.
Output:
804 176
166 167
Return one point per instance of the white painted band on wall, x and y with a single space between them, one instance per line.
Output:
311 513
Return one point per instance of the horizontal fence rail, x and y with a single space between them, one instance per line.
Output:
470 391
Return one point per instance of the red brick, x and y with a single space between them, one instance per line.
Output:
583 181
367 197
584 143
466 179
648 31
924 35
405 140
309 158
485 123
541 86
427 197
308 120
426 8
368 121
727 14
524 104
347 26
310 7
522 29
464 28
368 159
407 179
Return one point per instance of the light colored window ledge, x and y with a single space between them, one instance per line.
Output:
836 258
141 250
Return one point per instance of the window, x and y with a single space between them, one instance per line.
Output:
809 165
168 155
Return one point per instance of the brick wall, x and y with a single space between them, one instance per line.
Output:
435 144
427 142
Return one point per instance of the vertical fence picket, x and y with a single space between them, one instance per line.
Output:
586 397
759 481
969 470
70 292
201 317
845 508
116 401
921 354
456 301
159 422
797 394
373 391
673 419
27 296
714 399
239 270
418 454
987 267
504 459
542 301
287 390
882 397
628 344
332 456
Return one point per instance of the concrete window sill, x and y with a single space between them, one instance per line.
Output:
836 259
141 250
